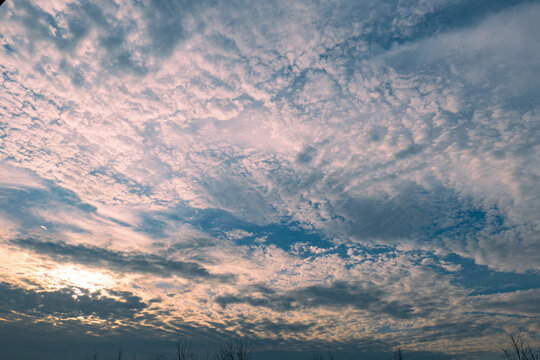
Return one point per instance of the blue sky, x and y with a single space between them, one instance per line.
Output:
345 176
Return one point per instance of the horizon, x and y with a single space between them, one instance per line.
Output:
343 176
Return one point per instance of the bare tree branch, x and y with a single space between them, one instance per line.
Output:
519 349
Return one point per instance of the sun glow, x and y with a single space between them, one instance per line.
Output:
73 276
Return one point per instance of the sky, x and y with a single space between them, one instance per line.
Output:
344 176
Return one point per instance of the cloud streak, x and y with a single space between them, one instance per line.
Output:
338 294
92 256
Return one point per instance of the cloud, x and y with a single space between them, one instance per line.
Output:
335 295
17 178
238 234
26 202
117 261
412 212
515 303
165 25
345 169
70 303
120 47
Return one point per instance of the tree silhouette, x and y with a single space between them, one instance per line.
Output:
398 355
184 351
519 349
240 350
93 355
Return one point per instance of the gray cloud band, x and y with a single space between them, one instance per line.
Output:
116 261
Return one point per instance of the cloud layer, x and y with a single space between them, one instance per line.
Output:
352 174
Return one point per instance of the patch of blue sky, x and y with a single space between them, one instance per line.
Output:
461 224
217 223
298 81
152 226
385 30
8 48
482 280
416 213
453 16
21 205
285 235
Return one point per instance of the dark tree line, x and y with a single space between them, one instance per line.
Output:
517 348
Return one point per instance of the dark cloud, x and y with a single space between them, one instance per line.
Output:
456 329
414 212
275 326
336 295
68 302
118 261
164 19
72 340
281 327
306 155
377 133
411 150
30 334
519 303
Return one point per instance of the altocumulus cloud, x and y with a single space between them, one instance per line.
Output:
351 174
